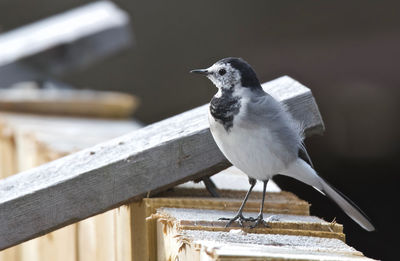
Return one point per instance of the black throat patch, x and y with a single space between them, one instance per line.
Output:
224 108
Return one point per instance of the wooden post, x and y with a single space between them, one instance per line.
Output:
144 232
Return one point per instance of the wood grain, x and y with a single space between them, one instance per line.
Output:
144 229
27 97
177 241
283 224
130 167
27 141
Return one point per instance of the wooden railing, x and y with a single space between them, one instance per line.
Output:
151 159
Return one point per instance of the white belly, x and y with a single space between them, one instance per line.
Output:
248 149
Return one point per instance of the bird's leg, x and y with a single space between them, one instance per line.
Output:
239 216
260 218
211 188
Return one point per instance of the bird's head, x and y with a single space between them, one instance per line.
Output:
230 73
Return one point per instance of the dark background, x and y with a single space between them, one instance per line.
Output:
347 52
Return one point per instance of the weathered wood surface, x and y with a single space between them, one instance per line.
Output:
79 33
183 236
143 229
28 97
28 140
284 224
102 177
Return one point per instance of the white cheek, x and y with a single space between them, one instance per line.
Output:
215 81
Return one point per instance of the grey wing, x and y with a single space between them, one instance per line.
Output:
265 110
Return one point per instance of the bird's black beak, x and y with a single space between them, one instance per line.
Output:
201 71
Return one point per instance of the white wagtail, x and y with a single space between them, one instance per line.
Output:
258 136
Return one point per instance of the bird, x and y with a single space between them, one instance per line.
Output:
258 135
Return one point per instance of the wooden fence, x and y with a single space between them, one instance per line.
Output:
152 160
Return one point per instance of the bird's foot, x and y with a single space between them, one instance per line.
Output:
239 217
260 220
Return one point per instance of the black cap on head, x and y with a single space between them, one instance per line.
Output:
248 75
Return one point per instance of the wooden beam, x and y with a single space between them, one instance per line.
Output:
110 174
28 97
57 44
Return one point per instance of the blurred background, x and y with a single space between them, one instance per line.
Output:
347 52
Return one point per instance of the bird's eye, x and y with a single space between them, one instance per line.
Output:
222 72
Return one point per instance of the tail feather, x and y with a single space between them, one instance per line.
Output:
348 206
300 170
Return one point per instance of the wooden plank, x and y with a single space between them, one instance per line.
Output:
65 41
107 175
8 161
59 136
276 202
188 234
29 98
144 238
58 245
97 238
284 224
8 166
123 231
196 245
33 140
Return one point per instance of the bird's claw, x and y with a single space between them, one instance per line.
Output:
251 219
239 217
259 220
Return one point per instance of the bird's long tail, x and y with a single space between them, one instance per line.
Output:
300 170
